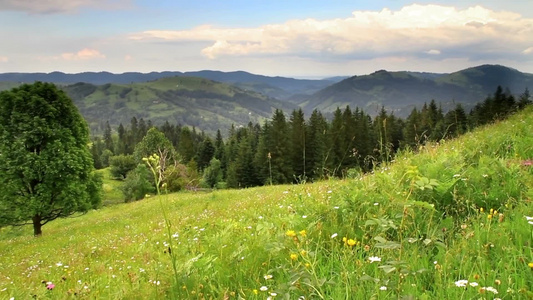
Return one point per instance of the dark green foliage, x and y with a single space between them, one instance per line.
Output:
121 165
298 145
186 147
46 168
205 153
138 183
315 151
108 139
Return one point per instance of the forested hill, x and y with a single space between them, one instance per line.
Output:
400 91
191 101
277 87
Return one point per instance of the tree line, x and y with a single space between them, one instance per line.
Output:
287 148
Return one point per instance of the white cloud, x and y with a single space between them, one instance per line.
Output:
4 59
60 6
410 31
528 50
84 54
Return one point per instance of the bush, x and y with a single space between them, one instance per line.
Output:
121 165
137 184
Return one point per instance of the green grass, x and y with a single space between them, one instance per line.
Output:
111 188
420 216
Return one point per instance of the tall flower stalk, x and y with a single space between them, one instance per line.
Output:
154 163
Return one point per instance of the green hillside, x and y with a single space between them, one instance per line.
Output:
190 101
400 91
451 222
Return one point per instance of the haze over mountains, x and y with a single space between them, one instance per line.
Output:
211 100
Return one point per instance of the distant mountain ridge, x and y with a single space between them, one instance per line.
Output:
214 100
276 87
191 101
400 90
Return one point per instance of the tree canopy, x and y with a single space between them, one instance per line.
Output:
46 168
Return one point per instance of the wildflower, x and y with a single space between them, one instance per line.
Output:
344 239
303 253
294 256
473 284
481 209
367 248
59 264
307 265
256 291
304 216
303 233
383 288
489 216
291 233
273 294
476 276
530 265
267 277
351 242
492 290
263 288
461 283
50 286
374 259
334 235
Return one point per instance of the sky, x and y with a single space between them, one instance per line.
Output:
294 38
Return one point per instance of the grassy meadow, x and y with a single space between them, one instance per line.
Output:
449 222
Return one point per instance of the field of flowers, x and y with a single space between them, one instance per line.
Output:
454 221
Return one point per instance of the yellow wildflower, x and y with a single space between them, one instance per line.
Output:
303 233
291 233
344 239
481 209
530 265
303 253
351 242
294 256
256 291
489 216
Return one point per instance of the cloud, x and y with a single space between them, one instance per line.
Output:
4 59
60 6
84 54
433 52
409 31
528 50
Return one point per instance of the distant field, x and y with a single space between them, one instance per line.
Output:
450 222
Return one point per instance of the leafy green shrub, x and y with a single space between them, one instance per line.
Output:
137 184
213 173
121 165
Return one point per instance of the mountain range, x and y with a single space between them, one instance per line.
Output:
211 100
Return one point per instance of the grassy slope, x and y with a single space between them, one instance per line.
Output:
226 242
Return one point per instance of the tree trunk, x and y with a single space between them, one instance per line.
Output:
37 225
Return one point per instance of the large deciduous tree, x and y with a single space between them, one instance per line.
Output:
46 168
